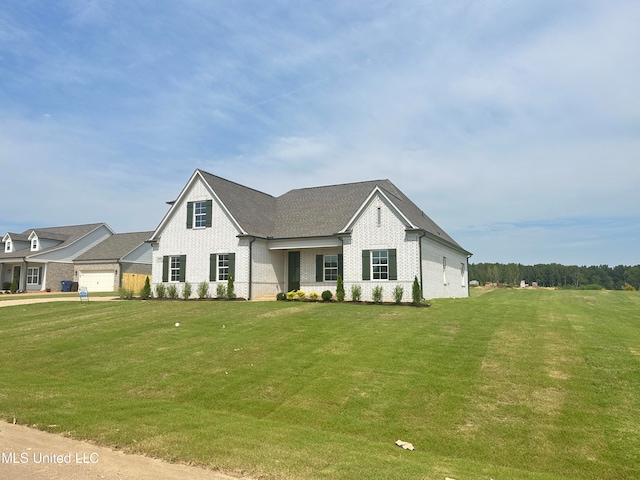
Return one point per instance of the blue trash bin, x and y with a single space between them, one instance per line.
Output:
66 285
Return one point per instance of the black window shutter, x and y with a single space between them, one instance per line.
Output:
165 269
366 265
209 212
340 269
183 267
189 214
232 265
393 264
319 268
213 267
40 276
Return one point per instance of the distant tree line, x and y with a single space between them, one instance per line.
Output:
556 275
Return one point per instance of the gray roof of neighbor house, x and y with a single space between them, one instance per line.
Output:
115 247
66 235
311 212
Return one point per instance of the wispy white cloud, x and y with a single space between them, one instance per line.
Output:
484 113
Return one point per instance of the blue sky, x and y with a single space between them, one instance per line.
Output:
514 125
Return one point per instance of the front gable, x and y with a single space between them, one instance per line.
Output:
198 207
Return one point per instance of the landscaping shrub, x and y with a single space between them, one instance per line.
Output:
313 296
172 291
186 291
230 289
145 292
377 294
281 296
356 293
203 290
291 295
125 293
221 290
14 286
398 292
161 290
340 289
629 288
6 285
416 295
300 294
326 296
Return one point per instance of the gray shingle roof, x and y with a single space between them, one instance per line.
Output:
253 210
115 247
311 212
66 235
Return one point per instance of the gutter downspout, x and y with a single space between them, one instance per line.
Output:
424 234
253 239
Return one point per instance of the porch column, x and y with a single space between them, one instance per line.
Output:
1 273
23 276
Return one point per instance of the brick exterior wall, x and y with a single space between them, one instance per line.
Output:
198 243
55 273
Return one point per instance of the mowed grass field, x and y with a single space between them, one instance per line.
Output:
508 384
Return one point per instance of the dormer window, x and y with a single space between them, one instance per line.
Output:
34 244
7 246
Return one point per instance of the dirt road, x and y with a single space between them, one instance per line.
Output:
29 454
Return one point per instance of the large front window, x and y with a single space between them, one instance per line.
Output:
174 269
330 268
33 275
199 214
380 265
223 267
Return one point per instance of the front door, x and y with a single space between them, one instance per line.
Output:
16 274
294 272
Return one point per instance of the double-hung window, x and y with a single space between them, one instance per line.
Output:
380 265
33 275
330 268
199 214
223 267
174 268
7 246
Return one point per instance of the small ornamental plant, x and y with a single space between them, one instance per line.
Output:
313 296
326 296
416 294
203 290
14 286
145 292
398 292
221 290
340 289
356 293
172 291
281 296
161 290
300 295
186 291
291 295
377 294
230 288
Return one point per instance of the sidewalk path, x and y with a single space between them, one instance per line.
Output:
70 298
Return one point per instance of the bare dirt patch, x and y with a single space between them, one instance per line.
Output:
32 454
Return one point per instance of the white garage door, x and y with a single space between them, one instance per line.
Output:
97 281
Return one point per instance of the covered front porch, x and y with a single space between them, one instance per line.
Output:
28 276
310 265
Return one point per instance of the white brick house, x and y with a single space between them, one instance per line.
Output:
368 232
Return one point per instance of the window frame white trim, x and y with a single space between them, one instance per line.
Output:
380 265
329 269
199 214
174 271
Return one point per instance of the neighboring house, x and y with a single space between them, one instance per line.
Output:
368 232
117 261
41 258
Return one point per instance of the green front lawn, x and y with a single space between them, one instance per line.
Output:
504 385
